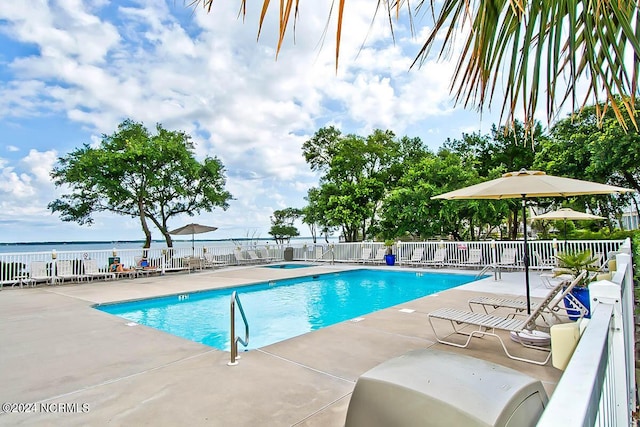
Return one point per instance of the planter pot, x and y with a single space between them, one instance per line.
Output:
582 295
390 259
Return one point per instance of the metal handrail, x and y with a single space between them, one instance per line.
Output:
235 339
497 273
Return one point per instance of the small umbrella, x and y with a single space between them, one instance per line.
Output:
565 214
193 229
526 184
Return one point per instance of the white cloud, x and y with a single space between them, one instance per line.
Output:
92 64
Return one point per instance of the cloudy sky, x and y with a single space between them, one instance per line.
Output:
71 70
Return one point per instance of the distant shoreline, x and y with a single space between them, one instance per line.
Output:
101 242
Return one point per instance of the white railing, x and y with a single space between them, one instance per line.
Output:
16 268
541 251
598 386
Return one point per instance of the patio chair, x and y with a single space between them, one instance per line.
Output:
91 270
210 261
64 271
254 258
439 257
557 294
378 258
474 259
264 254
37 273
364 256
508 258
416 257
543 264
241 259
487 324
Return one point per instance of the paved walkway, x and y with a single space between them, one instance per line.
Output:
86 367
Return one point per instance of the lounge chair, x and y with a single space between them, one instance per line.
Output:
240 258
378 258
210 261
508 258
543 264
253 257
439 257
91 270
64 271
416 257
364 256
38 272
487 324
264 254
474 259
562 288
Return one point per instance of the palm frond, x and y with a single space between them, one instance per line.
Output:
550 47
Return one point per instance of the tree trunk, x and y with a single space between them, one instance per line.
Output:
145 227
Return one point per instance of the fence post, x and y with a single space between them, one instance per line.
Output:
606 292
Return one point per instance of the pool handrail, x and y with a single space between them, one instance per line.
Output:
235 299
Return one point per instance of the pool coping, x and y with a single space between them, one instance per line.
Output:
138 375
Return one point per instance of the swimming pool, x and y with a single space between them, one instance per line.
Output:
284 309
288 266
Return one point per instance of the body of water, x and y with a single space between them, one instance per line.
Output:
136 244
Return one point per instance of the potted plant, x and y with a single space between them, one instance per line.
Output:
389 257
574 263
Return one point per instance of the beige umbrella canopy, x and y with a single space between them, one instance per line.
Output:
528 184
566 214
193 229
524 183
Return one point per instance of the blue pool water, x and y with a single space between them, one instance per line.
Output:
284 309
288 266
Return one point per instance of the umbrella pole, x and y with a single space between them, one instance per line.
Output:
526 253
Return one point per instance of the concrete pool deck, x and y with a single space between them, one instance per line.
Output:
59 351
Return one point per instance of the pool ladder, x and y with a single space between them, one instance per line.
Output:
235 339
497 272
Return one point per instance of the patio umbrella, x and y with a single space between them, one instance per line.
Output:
527 184
193 229
565 214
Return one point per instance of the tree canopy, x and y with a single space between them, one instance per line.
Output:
134 173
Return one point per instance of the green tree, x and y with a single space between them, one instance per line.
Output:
505 150
356 172
581 148
544 46
282 228
140 175
409 210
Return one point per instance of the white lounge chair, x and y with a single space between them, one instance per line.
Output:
365 256
439 257
264 254
378 258
474 259
543 264
416 257
487 324
92 272
253 257
508 258
210 261
64 271
558 294
38 272
240 258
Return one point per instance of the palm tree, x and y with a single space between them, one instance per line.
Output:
541 46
